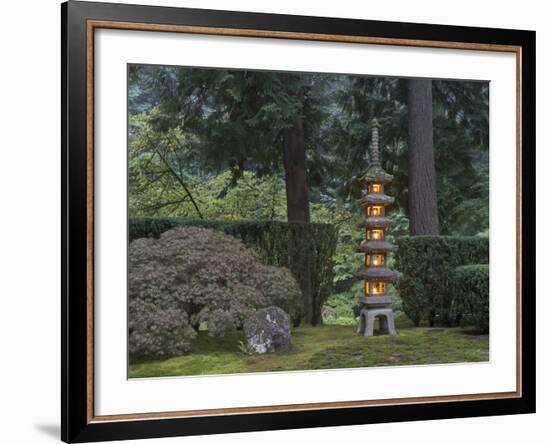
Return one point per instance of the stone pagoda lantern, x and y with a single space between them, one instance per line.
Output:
376 302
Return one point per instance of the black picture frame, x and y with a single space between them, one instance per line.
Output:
76 423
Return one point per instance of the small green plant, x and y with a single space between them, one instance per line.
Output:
245 349
341 308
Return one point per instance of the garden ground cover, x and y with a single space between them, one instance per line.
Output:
323 347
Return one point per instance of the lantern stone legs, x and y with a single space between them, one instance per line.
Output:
385 320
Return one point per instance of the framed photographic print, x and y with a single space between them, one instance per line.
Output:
276 221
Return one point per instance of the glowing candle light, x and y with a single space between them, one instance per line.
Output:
375 234
374 211
374 259
375 288
375 188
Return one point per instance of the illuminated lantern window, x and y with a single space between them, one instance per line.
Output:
374 260
375 234
375 211
375 288
375 188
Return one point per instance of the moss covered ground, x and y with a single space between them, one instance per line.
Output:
323 347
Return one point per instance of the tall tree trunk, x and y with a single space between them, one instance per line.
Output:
294 161
423 211
297 204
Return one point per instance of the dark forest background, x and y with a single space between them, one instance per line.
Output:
232 145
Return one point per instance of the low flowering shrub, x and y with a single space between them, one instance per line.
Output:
306 249
158 332
192 276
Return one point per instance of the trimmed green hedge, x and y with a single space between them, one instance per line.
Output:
305 249
426 262
470 287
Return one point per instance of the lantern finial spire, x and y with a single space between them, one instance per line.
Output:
375 173
374 148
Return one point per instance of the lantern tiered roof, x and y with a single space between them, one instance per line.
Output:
375 173
375 222
376 199
377 273
376 246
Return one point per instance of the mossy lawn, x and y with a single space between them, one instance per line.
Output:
323 347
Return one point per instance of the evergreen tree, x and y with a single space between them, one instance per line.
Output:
243 121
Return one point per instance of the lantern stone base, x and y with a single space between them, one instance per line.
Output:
376 301
367 317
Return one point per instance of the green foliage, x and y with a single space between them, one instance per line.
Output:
471 216
235 116
340 309
426 262
470 287
346 259
165 180
461 144
460 109
243 348
305 249
192 276
279 286
159 173
342 304
358 100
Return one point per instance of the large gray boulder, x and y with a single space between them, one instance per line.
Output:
267 330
